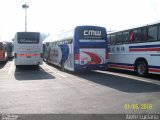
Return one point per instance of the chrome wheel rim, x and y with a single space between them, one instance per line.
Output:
141 69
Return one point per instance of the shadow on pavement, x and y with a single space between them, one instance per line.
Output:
32 73
124 84
150 76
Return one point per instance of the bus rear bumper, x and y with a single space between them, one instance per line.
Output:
28 62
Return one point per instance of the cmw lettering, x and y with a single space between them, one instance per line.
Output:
92 33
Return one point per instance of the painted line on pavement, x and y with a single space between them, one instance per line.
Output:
9 72
54 71
133 77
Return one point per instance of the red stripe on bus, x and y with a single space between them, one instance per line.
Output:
122 66
25 55
107 55
76 56
144 49
154 70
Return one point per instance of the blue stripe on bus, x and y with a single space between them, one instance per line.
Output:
121 64
157 67
145 46
92 44
126 64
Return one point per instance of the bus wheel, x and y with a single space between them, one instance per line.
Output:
37 67
62 67
17 66
141 68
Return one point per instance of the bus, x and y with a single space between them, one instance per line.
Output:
46 46
136 49
3 52
28 49
83 48
9 49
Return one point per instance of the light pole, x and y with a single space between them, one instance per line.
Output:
25 6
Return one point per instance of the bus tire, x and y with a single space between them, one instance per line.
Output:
37 67
17 66
141 68
47 61
62 67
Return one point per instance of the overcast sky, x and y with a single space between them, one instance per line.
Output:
52 16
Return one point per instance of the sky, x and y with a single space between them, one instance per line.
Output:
53 16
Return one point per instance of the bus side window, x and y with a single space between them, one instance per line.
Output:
159 32
119 39
70 41
137 35
112 39
152 33
126 37
131 36
108 39
144 34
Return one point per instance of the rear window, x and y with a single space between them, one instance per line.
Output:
28 37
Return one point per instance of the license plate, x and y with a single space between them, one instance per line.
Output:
28 56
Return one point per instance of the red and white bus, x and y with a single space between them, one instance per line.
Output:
3 52
136 49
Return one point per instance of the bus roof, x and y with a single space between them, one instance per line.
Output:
66 35
154 23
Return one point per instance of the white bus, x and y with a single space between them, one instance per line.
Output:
9 49
46 47
136 49
28 48
83 48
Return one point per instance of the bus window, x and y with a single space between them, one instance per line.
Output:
131 36
152 33
28 38
126 37
137 35
108 39
112 39
119 39
159 32
70 41
144 34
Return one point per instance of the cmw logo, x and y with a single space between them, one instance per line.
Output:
92 33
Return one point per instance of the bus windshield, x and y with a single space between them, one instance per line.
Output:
91 37
92 34
28 38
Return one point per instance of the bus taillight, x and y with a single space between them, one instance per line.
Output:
15 55
107 55
4 54
77 58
